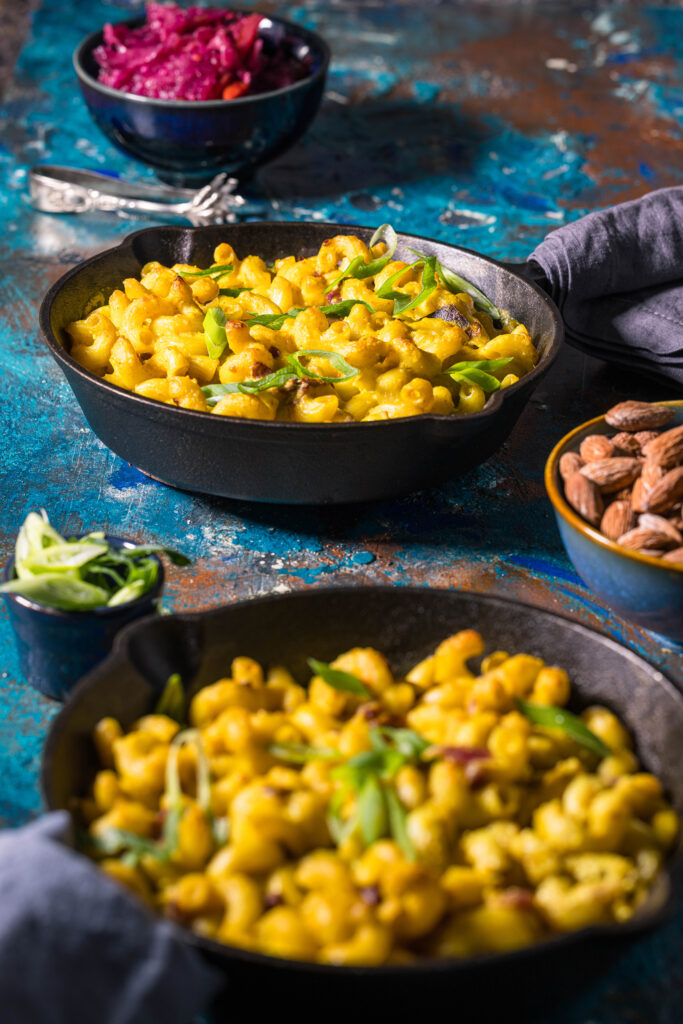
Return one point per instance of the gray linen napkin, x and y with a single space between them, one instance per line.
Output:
76 948
617 277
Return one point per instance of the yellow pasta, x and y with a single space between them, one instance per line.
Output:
369 819
150 338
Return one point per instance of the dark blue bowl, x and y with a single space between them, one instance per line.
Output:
638 587
56 647
190 142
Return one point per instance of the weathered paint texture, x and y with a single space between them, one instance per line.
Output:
483 125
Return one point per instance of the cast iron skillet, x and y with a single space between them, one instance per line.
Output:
406 623
288 462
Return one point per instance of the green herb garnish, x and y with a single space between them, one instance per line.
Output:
476 371
80 574
359 269
345 682
293 370
557 718
276 320
172 701
214 329
299 753
217 270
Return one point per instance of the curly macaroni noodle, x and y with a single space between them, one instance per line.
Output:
514 832
149 339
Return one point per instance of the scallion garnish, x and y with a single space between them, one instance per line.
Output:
359 269
217 270
477 371
293 370
345 682
558 718
80 574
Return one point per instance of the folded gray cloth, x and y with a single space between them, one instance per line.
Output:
76 948
617 277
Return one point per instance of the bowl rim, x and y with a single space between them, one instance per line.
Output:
96 38
102 611
671 874
492 406
563 508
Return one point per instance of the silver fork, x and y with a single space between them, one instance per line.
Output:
71 190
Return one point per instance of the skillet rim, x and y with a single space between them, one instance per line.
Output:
493 405
643 921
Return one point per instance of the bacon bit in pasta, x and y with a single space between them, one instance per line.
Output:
464 755
370 895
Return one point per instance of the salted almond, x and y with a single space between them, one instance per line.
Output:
596 447
640 538
666 492
584 496
666 449
675 556
612 474
626 444
650 521
570 463
617 519
633 416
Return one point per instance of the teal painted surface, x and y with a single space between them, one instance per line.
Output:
482 126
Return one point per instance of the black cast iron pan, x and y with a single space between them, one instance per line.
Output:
406 623
298 463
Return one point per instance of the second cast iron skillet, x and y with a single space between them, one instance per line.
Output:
298 463
406 623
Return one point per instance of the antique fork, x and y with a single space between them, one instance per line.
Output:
71 190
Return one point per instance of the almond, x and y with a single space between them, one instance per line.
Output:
675 556
666 449
584 496
666 492
639 495
633 416
612 474
651 473
626 444
570 463
661 525
617 520
643 437
596 447
643 539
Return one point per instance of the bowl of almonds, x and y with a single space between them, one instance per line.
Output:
616 484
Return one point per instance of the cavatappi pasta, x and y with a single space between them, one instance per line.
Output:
150 338
425 815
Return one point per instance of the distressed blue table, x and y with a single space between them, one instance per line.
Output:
481 125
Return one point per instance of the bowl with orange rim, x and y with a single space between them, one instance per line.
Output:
639 587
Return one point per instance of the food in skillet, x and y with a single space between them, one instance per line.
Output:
347 334
630 485
371 819
195 54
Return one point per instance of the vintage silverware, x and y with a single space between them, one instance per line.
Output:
56 189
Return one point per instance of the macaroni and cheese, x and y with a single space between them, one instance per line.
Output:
228 339
367 818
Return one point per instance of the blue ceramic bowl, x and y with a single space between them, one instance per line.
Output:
642 589
56 647
189 142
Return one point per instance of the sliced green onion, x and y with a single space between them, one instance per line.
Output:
346 371
558 718
372 811
214 329
62 557
58 590
299 753
217 270
398 823
474 371
359 269
172 701
345 682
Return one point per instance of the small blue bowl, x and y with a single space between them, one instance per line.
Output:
56 647
638 587
188 142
